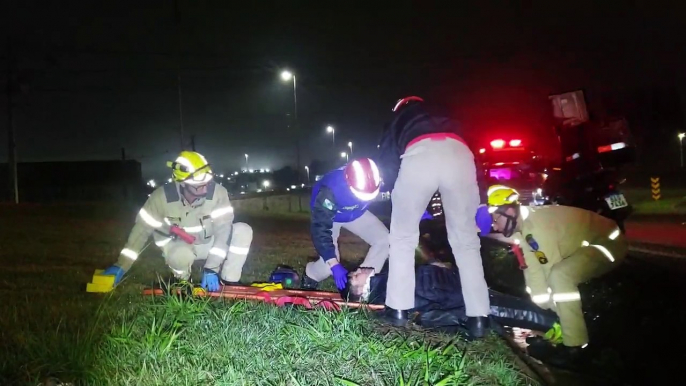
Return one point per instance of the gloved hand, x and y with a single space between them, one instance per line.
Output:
115 271
210 281
340 276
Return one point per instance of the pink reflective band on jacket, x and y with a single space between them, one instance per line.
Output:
436 137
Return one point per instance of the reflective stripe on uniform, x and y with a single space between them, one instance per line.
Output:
218 252
540 298
129 253
163 242
221 211
566 297
149 219
614 234
239 250
193 229
604 251
601 248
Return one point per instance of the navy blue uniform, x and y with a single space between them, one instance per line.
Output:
332 201
409 124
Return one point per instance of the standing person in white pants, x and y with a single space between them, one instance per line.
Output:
420 154
340 200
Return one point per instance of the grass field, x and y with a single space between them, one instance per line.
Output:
50 327
672 201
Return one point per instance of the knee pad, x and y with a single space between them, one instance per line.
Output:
241 235
179 256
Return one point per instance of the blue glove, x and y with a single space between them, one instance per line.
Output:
340 276
210 281
115 271
427 216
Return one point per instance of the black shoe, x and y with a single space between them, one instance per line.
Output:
564 357
398 318
478 326
308 283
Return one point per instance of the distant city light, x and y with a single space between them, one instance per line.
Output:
293 187
251 171
235 173
266 170
152 183
169 180
242 192
259 190
265 183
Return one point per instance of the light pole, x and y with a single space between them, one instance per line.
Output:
307 169
344 155
330 129
246 162
681 147
286 76
350 145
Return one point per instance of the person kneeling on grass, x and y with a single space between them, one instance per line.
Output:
200 208
439 301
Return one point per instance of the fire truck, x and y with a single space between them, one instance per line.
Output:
512 162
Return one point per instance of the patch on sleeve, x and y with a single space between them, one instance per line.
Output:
328 204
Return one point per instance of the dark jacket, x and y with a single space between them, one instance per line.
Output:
409 123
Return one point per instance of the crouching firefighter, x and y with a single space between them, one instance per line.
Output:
340 200
198 210
562 246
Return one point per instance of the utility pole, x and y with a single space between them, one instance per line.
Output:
177 19
11 145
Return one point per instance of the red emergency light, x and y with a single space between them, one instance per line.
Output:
482 150
497 143
515 142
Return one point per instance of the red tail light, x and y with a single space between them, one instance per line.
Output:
482 150
497 143
515 142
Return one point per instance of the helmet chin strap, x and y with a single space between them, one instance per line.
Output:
511 224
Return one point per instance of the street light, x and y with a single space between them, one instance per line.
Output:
246 161
344 155
265 183
350 145
330 129
286 76
307 168
681 147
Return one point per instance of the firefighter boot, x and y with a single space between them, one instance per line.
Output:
308 283
398 318
478 326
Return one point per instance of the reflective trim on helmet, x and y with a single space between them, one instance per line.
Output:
359 175
405 101
200 179
186 163
363 195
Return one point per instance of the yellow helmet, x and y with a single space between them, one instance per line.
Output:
500 199
499 195
191 168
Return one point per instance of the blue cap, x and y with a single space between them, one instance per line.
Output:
484 220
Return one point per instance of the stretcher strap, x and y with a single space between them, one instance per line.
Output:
330 301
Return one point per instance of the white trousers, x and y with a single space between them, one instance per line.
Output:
367 227
179 256
447 166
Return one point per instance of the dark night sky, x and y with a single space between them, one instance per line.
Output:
102 74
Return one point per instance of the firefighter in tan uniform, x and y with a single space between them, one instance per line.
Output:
562 246
196 205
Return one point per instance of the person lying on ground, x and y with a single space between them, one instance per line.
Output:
439 301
